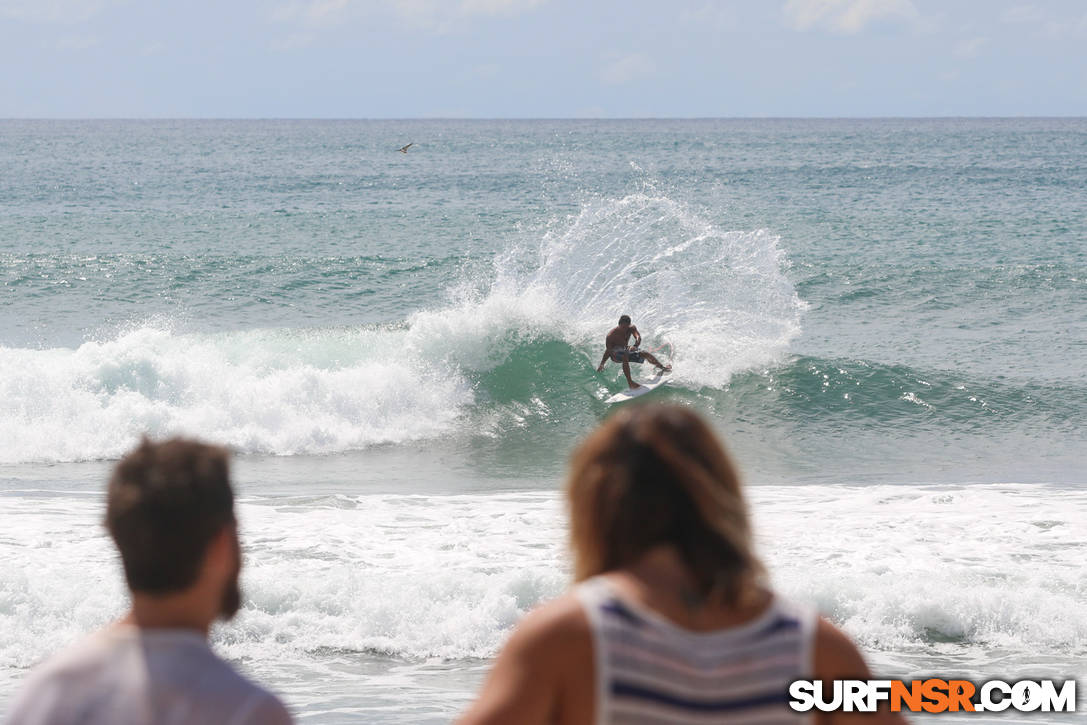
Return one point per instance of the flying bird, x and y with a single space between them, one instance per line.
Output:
404 149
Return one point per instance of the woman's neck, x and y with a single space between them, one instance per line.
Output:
661 581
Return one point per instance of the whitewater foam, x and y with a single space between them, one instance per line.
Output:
995 570
261 391
988 577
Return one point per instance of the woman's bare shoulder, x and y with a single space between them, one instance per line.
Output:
836 656
555 623
537 674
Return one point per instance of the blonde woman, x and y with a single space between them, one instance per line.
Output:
671 620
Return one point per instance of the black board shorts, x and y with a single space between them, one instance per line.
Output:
633 356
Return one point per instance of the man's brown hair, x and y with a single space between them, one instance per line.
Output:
656 475
165 504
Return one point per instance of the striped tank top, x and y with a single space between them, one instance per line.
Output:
650 671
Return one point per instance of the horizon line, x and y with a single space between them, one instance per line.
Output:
540 118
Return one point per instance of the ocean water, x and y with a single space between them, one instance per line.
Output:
886 320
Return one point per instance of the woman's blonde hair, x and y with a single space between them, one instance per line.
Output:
654 475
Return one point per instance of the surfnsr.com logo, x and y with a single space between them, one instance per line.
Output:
933 695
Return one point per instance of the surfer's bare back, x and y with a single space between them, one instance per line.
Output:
617 347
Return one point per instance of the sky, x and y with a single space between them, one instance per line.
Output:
541 58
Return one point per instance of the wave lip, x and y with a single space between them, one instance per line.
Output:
721 299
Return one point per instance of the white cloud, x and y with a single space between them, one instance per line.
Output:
430 15
497 7
626 68
1081 26
970 48
51 11
712 15
1021 14
845 16
311 12
1071 28
1046 24
439 16
445 16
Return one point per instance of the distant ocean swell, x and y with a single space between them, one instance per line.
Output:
218 277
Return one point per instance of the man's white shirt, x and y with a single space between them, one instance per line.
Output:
124 675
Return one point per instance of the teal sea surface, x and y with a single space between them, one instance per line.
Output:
886 320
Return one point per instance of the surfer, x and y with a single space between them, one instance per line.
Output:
617 348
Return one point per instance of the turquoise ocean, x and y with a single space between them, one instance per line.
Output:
886 320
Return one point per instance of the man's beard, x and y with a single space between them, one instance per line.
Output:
231 600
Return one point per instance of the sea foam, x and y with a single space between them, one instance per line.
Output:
986 578
270 391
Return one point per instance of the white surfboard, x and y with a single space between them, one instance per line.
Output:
638 392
